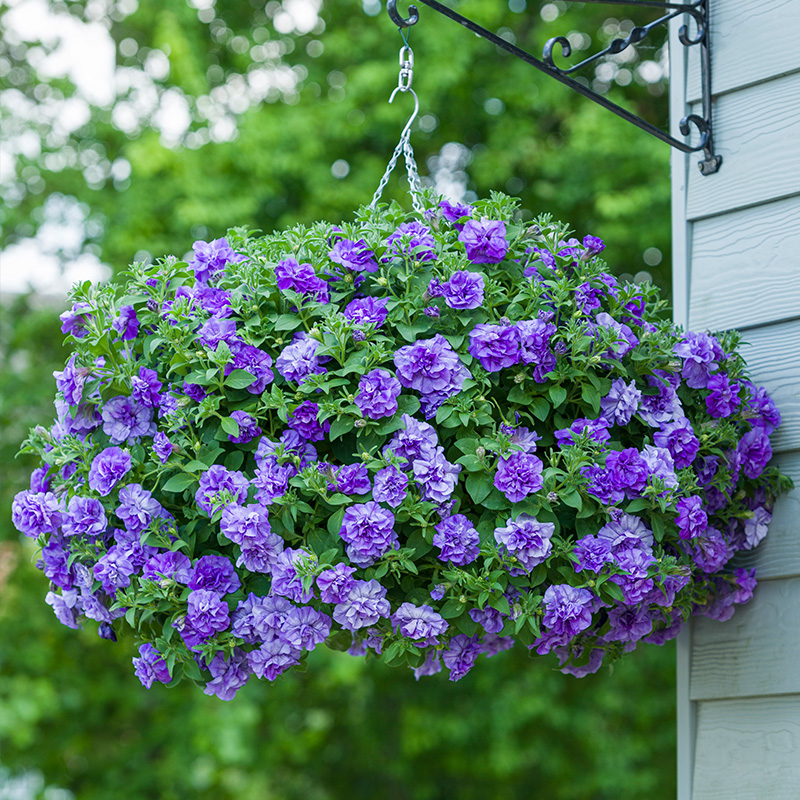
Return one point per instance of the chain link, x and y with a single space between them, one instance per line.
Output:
404 80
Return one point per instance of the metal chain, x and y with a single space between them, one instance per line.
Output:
404 81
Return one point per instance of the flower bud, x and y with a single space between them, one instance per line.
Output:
519 377
480 451
360 423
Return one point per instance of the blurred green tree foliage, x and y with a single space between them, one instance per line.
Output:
261 114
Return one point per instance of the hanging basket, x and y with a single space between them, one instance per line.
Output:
421 437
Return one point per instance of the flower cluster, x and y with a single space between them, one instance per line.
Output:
420 439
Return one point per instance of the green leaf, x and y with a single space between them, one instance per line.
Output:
572 499
657 524
639 504
287 322
195 466
452 608
540 408
519 395
179 482
479 485
230 426
240 379
558 394
469 444
472 463
591 396
340 426
335 522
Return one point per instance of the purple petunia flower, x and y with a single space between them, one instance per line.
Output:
625 338
114 570
420 623
595 429
527 539
432 368
207 613
173 565
303 419
625 533
70 382
305 628
219 479
533 336
302 279
254 361
629 623
518 475
298 360
416 440
286 580
35 513
484 241
228 675
367 310
146 388
568 610
214 573
691 520
137 507
436 476
600 484
150 666
108 468
76 320
761 405
701 355
127 323
660 464
628 470
273 658
453 212
679 438
710 551
335 584
368 531
351 479
125 420
457 540
85 516
391 486
365 605
162 447
495 346
217 330
355 256
723 399
460 655
378 391
411 239
621 402
211 258
592 553
464 290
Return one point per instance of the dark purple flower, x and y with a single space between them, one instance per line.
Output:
194 391
484 241
70 382
368 531
219 479
127 323
150 666
628 623
108 468
365 605
621 402
679 438
533 336
490 619
335 584
527 539
248 428
457 540
723 399
464 290
763 407
351 479
593 245
412 239
420 623
254 361
207 613
367 310
214 301
628 470
214 573
600 483
302 279
745 583
495 346
592 553
125 420
162 447
658 409
76 320
217 330
692 520
355 256
272 480
660 464
635 583
391 486
114 570
518 475
568 610
431 367
453 212
146 388
710 551
460 655
212 257
303 419
587 298
595 429
172 565
436 476
378 391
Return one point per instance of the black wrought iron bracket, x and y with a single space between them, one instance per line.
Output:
698 11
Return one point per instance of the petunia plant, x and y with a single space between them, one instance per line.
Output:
421 438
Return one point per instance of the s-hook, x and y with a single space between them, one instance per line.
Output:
413 15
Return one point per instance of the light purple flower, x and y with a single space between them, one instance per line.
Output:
212 257
207 613
172 565
420 623
412 239
527 539
679 438
691 520
568 610
365 605
351 479
127 323
416 440
254 361
70 382
150 666
453 212
660 464
335 584
302 279
228 675
701 355
621 402
460 655
625 338
219 479
628 470
391 486
367 310
273 658
298 360
114 570
755 527
125 420
625 533
355 256
215 573
146 388
35 513
137 507
85 517
431 367
595 429
495 346
629 623
533 336
287 580
436 476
